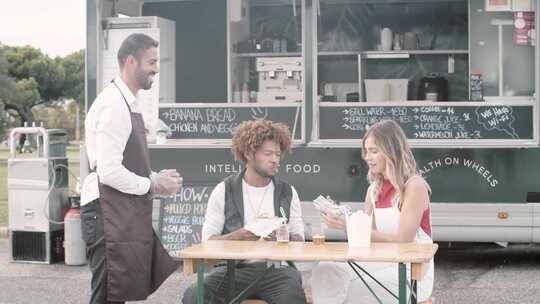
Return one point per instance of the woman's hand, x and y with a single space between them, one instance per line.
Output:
337 221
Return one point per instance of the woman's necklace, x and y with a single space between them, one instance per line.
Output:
256 212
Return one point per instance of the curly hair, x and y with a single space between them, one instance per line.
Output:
250 135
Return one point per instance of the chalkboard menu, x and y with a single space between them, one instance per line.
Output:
218 121
431 122
181 217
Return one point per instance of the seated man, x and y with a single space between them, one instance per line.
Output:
241 198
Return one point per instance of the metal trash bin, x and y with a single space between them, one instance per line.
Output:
37 196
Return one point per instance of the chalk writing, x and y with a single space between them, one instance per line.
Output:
182 216
218 122
430 122
497 118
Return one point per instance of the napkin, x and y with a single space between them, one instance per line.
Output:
262 227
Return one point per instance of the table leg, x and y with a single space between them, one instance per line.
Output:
414 292
402 279
200 281
364 281
353 265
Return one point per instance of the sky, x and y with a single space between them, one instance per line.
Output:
57 27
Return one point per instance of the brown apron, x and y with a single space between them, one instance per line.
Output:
136 261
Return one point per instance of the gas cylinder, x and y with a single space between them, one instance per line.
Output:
75 247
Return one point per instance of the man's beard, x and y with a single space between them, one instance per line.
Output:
143 80
263 173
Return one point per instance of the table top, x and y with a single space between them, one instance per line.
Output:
308 251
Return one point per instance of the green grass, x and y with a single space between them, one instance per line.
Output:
3 192
73 160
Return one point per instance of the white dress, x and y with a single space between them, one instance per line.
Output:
333 282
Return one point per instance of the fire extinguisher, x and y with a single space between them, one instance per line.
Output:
75 247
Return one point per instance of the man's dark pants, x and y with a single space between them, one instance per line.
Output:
278 286
92 231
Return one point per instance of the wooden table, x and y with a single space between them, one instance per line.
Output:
418 255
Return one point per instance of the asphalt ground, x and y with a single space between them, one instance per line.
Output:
482 273
61 284
487 273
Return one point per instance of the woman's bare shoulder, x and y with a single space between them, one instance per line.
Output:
417 183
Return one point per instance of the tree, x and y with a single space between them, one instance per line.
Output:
37 79
7 89
74 86
27 62
73 65
26 94
59 115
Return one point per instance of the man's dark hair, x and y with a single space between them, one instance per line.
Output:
133 45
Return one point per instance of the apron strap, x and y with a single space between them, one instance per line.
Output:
125 100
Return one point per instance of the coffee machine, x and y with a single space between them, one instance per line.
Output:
433 87
280 79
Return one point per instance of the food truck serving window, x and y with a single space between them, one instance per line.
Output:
452 73
237 61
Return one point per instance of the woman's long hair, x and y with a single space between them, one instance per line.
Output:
400 163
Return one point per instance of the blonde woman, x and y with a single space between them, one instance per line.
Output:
399 199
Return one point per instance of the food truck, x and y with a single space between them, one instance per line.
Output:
460 76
